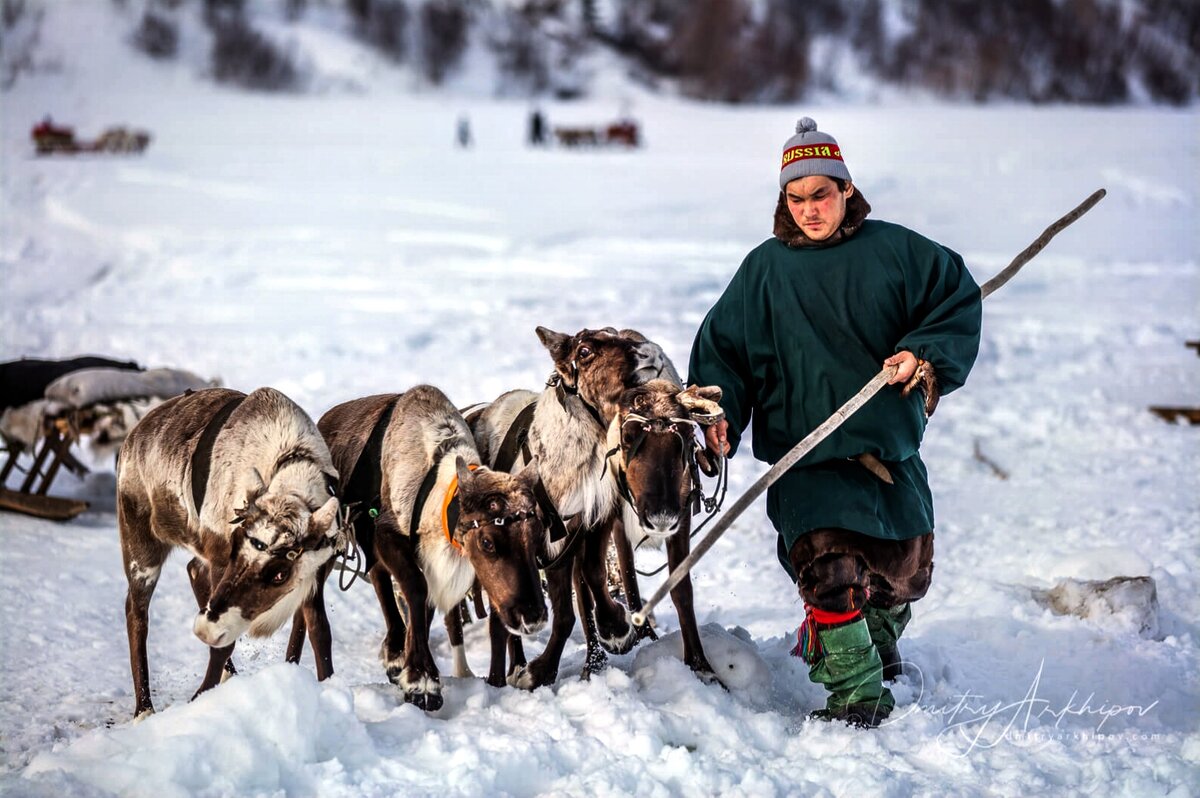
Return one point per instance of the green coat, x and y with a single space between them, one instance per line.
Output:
799 331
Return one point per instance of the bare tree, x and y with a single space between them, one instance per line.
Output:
444 28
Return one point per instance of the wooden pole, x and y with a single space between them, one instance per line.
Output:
840 415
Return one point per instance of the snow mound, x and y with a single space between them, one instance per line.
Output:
1123 603
258 734
734 658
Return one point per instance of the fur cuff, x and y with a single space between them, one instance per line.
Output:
925 378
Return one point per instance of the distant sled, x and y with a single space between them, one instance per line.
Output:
49 139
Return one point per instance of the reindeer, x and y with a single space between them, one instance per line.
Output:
245 484
655 461
443 521
565 428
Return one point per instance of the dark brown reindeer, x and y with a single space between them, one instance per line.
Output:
245 484
654 461
440 525
565 428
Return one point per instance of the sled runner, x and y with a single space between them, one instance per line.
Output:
1189 414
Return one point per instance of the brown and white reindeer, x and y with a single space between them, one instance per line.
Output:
443 522
245 483
565 428
655 461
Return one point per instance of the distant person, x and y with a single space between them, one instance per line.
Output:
537 128
464 131
809 318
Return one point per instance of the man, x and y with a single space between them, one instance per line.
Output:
810 317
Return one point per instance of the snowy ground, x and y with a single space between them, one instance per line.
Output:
339 246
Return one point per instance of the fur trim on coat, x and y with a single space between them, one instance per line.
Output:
787 231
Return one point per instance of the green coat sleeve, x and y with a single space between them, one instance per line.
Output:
945 311
719 356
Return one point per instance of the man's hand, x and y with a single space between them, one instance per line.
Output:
907 363
715 437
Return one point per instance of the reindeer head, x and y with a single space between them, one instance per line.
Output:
501 532
653 433
276 549
600 364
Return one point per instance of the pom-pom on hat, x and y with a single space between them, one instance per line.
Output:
811 152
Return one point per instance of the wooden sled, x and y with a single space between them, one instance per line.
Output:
1189 414
81 398
53 452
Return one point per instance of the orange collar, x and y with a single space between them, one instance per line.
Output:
451 492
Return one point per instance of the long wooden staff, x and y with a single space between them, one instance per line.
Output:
839 417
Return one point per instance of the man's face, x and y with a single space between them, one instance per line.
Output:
817 205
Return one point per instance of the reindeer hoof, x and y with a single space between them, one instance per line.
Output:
423 691
705 674
521 678
228 671
617 640
391 659
644 632
430 702
142 714
529 677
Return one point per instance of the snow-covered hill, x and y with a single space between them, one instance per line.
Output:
336 246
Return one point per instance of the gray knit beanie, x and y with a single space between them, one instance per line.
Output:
811 153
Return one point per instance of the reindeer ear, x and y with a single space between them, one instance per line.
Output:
464 473
325 519
529 474
255 488
558 344
702 403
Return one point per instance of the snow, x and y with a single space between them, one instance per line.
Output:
338 245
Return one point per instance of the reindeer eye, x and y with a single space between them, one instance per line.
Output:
276 575
487 545
584 353
257 544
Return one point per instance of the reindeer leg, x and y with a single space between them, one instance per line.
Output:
391 652
611 620
629 583
477 600
218 659
201 579
295 644
454 631
595 660
312 615
678 546
516 652
419 676
143 557
543 670
499 638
